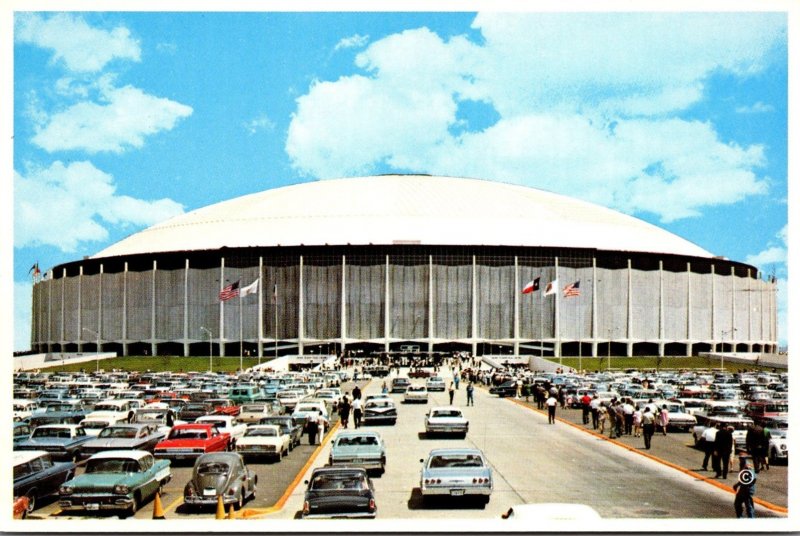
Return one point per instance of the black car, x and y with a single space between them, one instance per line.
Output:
507 388
380 410
194 410
36 475
288 426
399 385
339 492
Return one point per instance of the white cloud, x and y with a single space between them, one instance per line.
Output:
354 41
775 253
121 121
757 108
586 116
262 122
81 47
66 205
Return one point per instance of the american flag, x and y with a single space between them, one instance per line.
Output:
573 289
231 291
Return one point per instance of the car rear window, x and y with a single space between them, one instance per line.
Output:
339 482
450 460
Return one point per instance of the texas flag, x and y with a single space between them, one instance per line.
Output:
533 286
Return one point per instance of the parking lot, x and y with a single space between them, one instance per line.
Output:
533 462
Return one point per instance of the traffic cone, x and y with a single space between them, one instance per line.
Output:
220 508
158 510
231 515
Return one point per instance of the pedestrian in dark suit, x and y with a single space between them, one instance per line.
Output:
723 445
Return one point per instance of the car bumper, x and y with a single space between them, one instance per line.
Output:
95 503
208 500
457 491
446 429
366 463
344 515
258 451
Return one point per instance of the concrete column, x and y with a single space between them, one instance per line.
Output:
301 318
689 340
260 330
734 337
186 307
474 306
63 313
516 305
80 308
221 308
387 309
50 285
430 303
594 307
749 311
556 323
713 308
630 311
661 330
100 312
125 310
153 311
344 301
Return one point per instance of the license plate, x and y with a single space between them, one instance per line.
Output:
357 460
92 506
209 492
456 492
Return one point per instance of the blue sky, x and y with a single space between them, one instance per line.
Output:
124 119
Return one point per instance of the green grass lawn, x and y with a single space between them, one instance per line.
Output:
162 363
653 363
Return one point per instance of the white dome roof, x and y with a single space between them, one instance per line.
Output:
392 209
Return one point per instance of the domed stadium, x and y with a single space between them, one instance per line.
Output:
385 262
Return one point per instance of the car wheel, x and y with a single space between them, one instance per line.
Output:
134 507
31 500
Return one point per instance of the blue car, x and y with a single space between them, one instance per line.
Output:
22 431
62 441
457 473
37 476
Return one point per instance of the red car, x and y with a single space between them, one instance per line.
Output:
189 441
224 406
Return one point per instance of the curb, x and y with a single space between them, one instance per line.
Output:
766 504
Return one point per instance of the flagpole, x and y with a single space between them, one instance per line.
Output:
275 299
541 323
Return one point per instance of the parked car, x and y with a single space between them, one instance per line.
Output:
36 475
289 398
114 409
358 448
222 474
122 480
679 418
94 426
416 393
22 431
163 419
243 394
399 385
446 420
288 426
253 411
778 430
740 425
226 424
23 407
56 417
267 440
306 408
507 388
339 492
62 441
193 410
191 440
380 410
456 473
123 437
420 373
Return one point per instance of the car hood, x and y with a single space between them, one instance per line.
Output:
101 481
114 442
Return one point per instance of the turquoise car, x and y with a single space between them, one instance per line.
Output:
359 448
121 480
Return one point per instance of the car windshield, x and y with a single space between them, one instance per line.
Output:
195 407
253 409
149 416
93 425
121 432
213 468
352 481
106 407
446 413
187 434
357 440
378 404
261 432
451 460
112 465
52 432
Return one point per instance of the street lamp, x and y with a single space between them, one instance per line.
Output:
210 347
722 352
97 360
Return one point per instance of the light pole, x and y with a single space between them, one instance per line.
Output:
609 348
210 347
97 360
722 352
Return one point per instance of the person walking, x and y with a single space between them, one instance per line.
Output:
637 421
602 417
357 412
451 392
586 402
456 380
344 411
519 388
312 427
663 419
745 488
356 393
595 407
648 426
707 440
551 404
470 393
627 410
723 444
